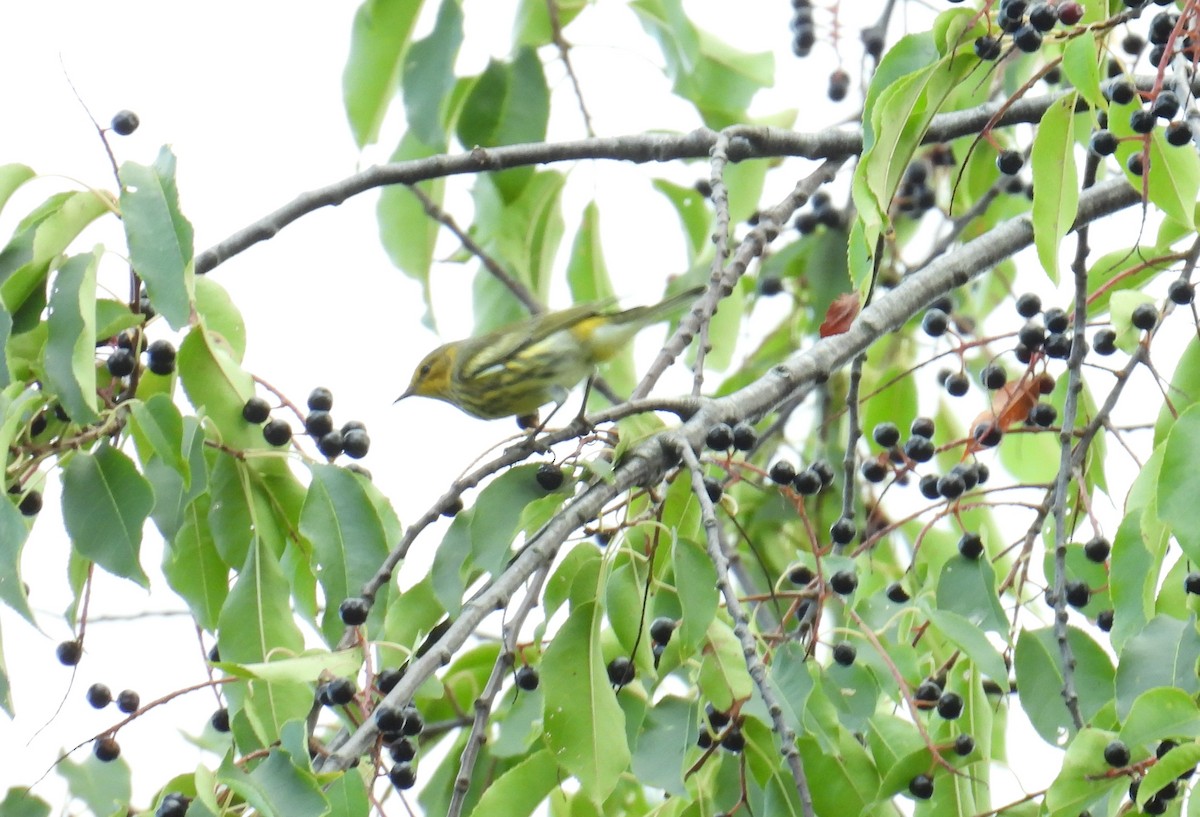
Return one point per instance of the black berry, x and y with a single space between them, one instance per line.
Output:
31 503
106 749
220 720
987 48
782 472
807 482
719 437
621 671
897 594
402 776
1178 133
970 545
843 582
844 653
339 691
1097 549
964 745
1144 317
935 323
121 363
320 399
886 434
1103 143
99 696
549 476
1028 39
330 445
921 787
713 488
256 410
922 427
1043 414
69 652
527 678
1120 92
1192 583
661 629
354 611
125 123
355 443
842 531
950 705
403 750
745 436
1116 754
160 357
1078 594
1181 292
277 432
1105 342
957 384
1010 162
128 701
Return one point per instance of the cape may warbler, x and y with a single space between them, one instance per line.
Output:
518 368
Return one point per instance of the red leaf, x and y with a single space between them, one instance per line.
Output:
840 315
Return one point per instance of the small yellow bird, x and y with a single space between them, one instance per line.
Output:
517 369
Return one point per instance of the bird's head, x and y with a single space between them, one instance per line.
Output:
432 377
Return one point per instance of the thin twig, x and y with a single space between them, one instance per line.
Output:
741 629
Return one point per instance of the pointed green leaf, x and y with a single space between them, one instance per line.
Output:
71 346
105 504
20 802
276 787
428 77
378 42
1163 654
103 787
518 791
159 236
1056 195
585 728
13 532
347 535
221 316
194 568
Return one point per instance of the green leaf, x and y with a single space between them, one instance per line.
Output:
194 568
1038 664
585 728
1163 654
587 275
378 42
276 787
71 346
718 80
899 120
694 216
509 104
668 732
103 787
41 237
158 431
1056 196
1133 579
848 779
1179 480
20 802
970 639
105 503
408 234
1172 174
1083 778
221 317
696 584
1160 713
968 587
13 532
256 625
1081 61
306 667
217 386
159 236
518 791
347 796
526 234
348 537
724 679
1181 760
532 25
428 76
12 176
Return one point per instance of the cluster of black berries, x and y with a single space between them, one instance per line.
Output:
821 212
721 728
29 500
1026 23
351 439
954 483
123 360
1051 335
100 696
805 482
804 32
914 196
399 727
1117 755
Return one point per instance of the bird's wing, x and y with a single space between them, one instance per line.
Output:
499 346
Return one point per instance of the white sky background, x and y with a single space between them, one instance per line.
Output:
248 94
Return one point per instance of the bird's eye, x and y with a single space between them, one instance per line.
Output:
425 368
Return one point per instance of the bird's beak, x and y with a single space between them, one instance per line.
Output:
407 393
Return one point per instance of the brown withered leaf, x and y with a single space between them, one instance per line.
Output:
840 315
